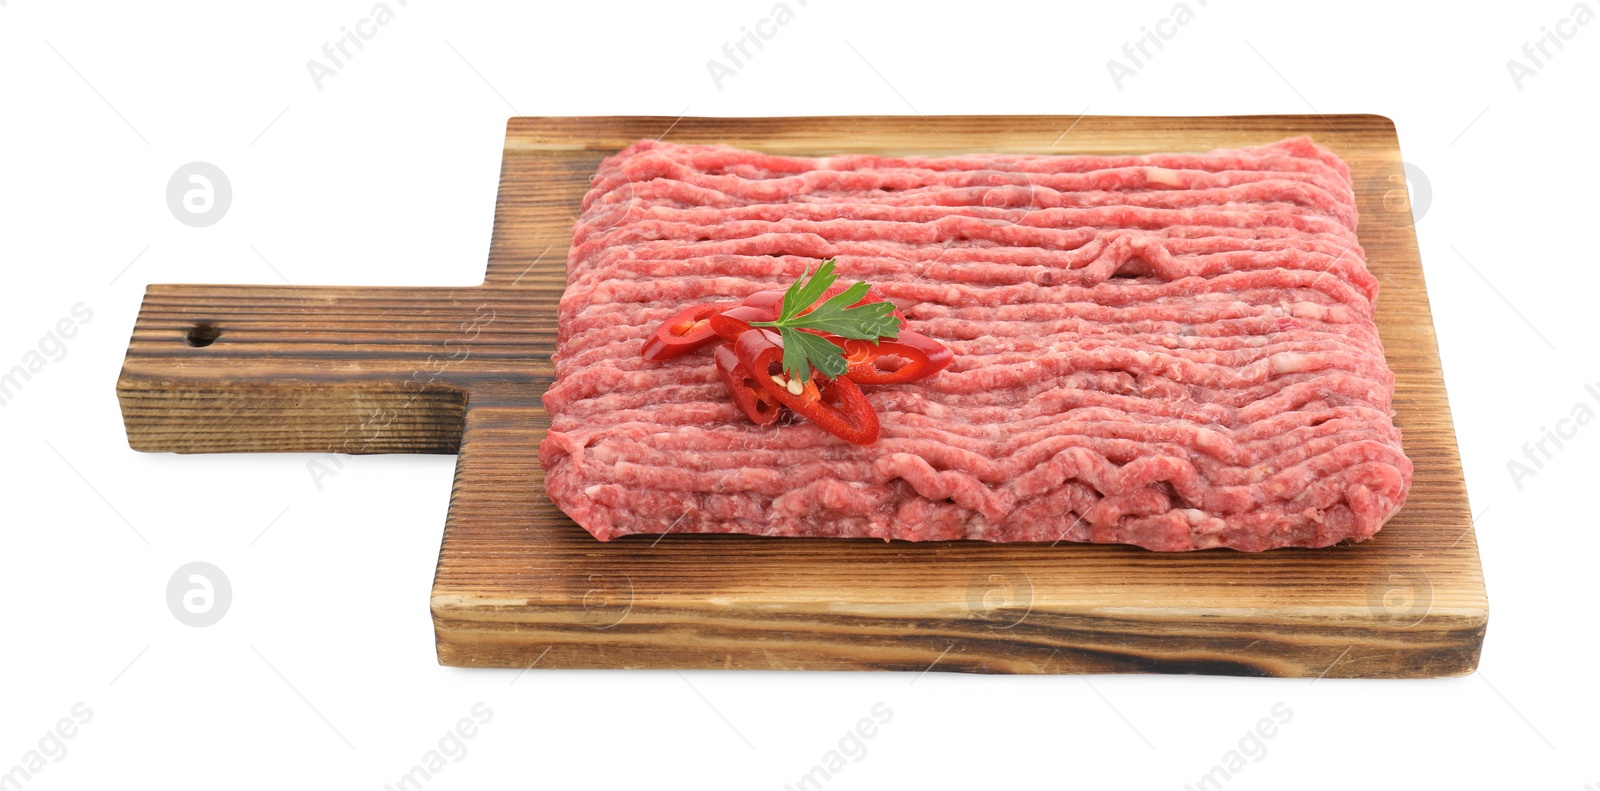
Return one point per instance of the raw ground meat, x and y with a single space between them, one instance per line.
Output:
1174 351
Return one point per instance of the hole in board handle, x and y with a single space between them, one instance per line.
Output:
203 334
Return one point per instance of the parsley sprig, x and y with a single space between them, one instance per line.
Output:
838 316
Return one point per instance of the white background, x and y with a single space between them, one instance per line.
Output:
323 671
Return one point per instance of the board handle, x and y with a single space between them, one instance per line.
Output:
213 369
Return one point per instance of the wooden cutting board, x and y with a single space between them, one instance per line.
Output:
460 370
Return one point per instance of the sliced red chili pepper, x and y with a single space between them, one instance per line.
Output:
733 322
772 301
837 405
687 331
920 357
751 399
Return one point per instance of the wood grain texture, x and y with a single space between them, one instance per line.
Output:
439 370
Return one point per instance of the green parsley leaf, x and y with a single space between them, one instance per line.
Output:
840 316
802 351
868 322
805 292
